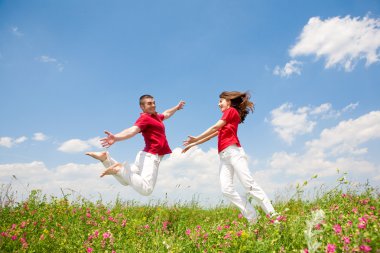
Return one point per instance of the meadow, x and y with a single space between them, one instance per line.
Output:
342 218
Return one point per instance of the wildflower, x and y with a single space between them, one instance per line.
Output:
362 223
355 210
305 251
337 228
24 243
219 228
227 236
88 215
146 226
346 240
89 250
318 226
106 235
14 237
240 216
330 248
23 224
14 226
42 237
123 223
188 231
365 248
349 223
165 225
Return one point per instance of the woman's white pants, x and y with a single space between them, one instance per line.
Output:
233 160
142 175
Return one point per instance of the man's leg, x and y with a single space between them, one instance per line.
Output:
114 168
148 165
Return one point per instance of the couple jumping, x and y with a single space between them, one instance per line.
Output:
142 175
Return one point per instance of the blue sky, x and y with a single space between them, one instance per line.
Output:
71 69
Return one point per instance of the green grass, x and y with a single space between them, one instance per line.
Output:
348 221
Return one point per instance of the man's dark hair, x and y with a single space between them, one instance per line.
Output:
144 97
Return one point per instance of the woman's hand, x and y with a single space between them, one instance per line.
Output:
108 140
187 148
190 139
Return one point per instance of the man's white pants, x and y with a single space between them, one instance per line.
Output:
142 175
233 160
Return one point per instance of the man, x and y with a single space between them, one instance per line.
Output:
141 175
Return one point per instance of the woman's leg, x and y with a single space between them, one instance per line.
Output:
240 164
226 176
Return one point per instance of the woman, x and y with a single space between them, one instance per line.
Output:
235 106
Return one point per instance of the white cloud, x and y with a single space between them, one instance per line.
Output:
51 60
39 137
323 108
341 41
289 122
348 135
182 177
290 68
9 142
6 142
339 147
77 145
16 31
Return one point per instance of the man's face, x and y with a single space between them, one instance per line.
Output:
148 106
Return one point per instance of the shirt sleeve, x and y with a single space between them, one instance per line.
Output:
141 123
161 117
227 115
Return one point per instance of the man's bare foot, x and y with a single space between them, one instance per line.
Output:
101 156
112 170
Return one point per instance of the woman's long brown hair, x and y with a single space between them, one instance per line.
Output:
240 101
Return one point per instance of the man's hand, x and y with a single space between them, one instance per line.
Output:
108 140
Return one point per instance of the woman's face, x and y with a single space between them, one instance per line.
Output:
224 104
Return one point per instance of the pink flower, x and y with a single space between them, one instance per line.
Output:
362 223
305 251
88 215
346 240
188 231
165 225
355 210
227 236
89 250
23 224
123 223
365 248
318 226
146 226
14 237
349 223
106 235
239 233
337 228
330 248
240 216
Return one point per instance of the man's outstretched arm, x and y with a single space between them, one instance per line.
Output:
169 112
